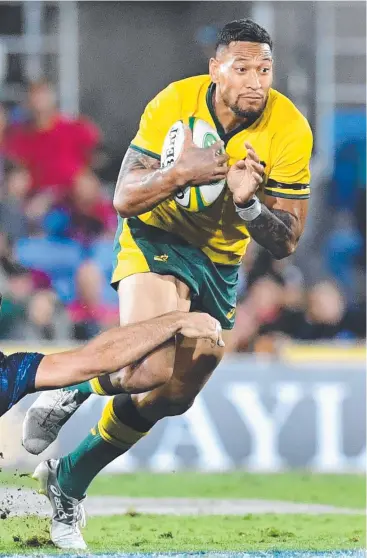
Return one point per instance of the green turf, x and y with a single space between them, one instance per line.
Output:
163 533
338 490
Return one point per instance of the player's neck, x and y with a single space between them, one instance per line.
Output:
225 115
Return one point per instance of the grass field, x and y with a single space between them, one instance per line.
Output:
148 533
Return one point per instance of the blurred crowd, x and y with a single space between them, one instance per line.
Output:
57 224
275 306
56 233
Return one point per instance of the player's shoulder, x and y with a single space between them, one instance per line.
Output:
193 83
286 115
188 87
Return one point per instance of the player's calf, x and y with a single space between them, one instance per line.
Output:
174 399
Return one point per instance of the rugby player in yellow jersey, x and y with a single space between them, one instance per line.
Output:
170 259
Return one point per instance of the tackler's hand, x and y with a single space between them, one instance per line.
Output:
197 325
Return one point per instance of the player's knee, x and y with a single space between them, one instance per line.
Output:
179 407
120 379
178 403
142 377
151 372
130 380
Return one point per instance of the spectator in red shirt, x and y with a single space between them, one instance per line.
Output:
53 147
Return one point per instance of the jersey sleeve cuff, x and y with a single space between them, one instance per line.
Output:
145 151
294 191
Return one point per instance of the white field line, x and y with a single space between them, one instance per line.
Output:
26 502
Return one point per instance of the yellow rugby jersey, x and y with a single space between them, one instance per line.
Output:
281 137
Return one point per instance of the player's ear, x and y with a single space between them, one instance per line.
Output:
213 69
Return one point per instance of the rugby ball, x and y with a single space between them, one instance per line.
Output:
192 198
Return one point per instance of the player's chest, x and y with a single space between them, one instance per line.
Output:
260 141
260 136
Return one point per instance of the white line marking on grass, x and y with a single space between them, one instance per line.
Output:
26 502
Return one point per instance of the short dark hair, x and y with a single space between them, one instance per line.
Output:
243 30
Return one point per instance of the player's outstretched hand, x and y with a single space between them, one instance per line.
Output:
197 325
245 177
196 165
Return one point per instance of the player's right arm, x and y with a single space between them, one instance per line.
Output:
142 184
121 346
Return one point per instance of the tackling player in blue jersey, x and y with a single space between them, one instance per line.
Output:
23 373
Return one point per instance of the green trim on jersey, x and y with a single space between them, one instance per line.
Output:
145 151
294 196
116 241
225 136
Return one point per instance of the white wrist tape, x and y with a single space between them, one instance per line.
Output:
250 212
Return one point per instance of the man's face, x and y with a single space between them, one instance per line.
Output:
41 99
243 74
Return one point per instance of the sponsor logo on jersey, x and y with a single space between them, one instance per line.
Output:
162 258
231 313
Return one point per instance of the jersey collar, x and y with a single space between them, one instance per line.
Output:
222 134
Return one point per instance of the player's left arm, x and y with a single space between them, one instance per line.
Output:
278 223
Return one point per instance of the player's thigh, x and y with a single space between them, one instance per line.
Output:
144 296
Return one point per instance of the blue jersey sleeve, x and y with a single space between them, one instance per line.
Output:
17 377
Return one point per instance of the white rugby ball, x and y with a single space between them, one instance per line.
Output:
192 198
